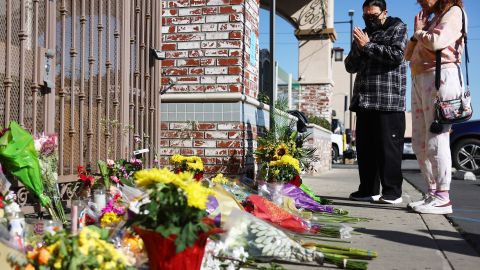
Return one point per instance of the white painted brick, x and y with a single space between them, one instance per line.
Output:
208 44
188 45
228 79
169 13
209 27
188 28
215 2
189 11
230 26
217 18
216 35
207 79
216 70
205 143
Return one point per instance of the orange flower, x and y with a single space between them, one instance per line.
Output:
43 256
29 267
32 255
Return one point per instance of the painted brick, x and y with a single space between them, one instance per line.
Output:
215 88
197 19
216 35
235 53
168 29
235 35
180 126
178 3
184 37
207 62
228 79
195 53
188 80
233 134
188 45
188 28
234 44
188 63
216 70
216 135
228 61
176 71
230 126
169 47
217 18
195 3
235 88
205 143
231 9
206 126
169 12
215 52
196 134
208 44
196 88
189 11
209 10
209 27
228 144
217 2
169 151
236 17
208 79
177 54
196 71
168 63
178 20
234 70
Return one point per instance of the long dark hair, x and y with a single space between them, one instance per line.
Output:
443 5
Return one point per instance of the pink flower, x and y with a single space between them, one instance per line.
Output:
114 179
135 161
137 140
110 163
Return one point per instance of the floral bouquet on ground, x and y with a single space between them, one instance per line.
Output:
47 148
114 212
283 170
172 221
87 250
119 171
191 164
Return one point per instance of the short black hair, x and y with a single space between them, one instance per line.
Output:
378 3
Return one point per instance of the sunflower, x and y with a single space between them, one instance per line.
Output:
280 151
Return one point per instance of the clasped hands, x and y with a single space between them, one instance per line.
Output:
361 38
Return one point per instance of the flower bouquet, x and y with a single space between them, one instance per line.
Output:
191 164
47 149
87 250
172 221
113 213
119 171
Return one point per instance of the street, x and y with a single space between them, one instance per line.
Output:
464 196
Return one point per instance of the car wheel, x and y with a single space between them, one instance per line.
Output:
466 155
334 153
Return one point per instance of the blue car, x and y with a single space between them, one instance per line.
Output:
465 146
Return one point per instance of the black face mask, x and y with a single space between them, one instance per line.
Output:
372 25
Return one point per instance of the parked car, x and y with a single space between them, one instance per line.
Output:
465 146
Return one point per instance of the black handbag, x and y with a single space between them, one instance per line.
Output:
455 110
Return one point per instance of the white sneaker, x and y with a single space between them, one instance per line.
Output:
376 198
385 201
420 202
434 205
356 197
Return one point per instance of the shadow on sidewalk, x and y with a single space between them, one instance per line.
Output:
342 201
421 241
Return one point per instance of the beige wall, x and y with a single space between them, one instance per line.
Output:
341 88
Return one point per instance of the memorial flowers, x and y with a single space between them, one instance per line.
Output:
284 169
191 164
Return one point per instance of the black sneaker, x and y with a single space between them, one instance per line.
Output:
361 197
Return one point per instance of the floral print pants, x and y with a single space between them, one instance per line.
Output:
433 150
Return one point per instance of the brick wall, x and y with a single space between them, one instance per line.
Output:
315 100
208 44
211 48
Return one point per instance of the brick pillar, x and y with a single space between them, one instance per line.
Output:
315 99
212 60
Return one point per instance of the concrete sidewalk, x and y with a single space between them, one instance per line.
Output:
403 239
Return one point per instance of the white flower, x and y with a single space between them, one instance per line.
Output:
12 208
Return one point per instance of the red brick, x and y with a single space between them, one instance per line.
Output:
206 126
187 152
231 9
234 70
176 71
234 88
197 88
169 47
195 53
196 71
235 18
207 62
188 63
228 61
187 79
236 2
229 144
235 35
168 63
209 10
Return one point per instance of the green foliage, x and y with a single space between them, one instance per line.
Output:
319 122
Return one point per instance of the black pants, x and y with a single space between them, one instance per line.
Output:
379 141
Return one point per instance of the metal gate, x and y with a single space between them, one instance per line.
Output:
103 100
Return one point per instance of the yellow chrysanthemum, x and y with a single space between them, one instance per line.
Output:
220 179
177 158
145 178
197 195
286 160
109 218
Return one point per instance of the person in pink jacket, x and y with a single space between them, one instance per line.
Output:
437 27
